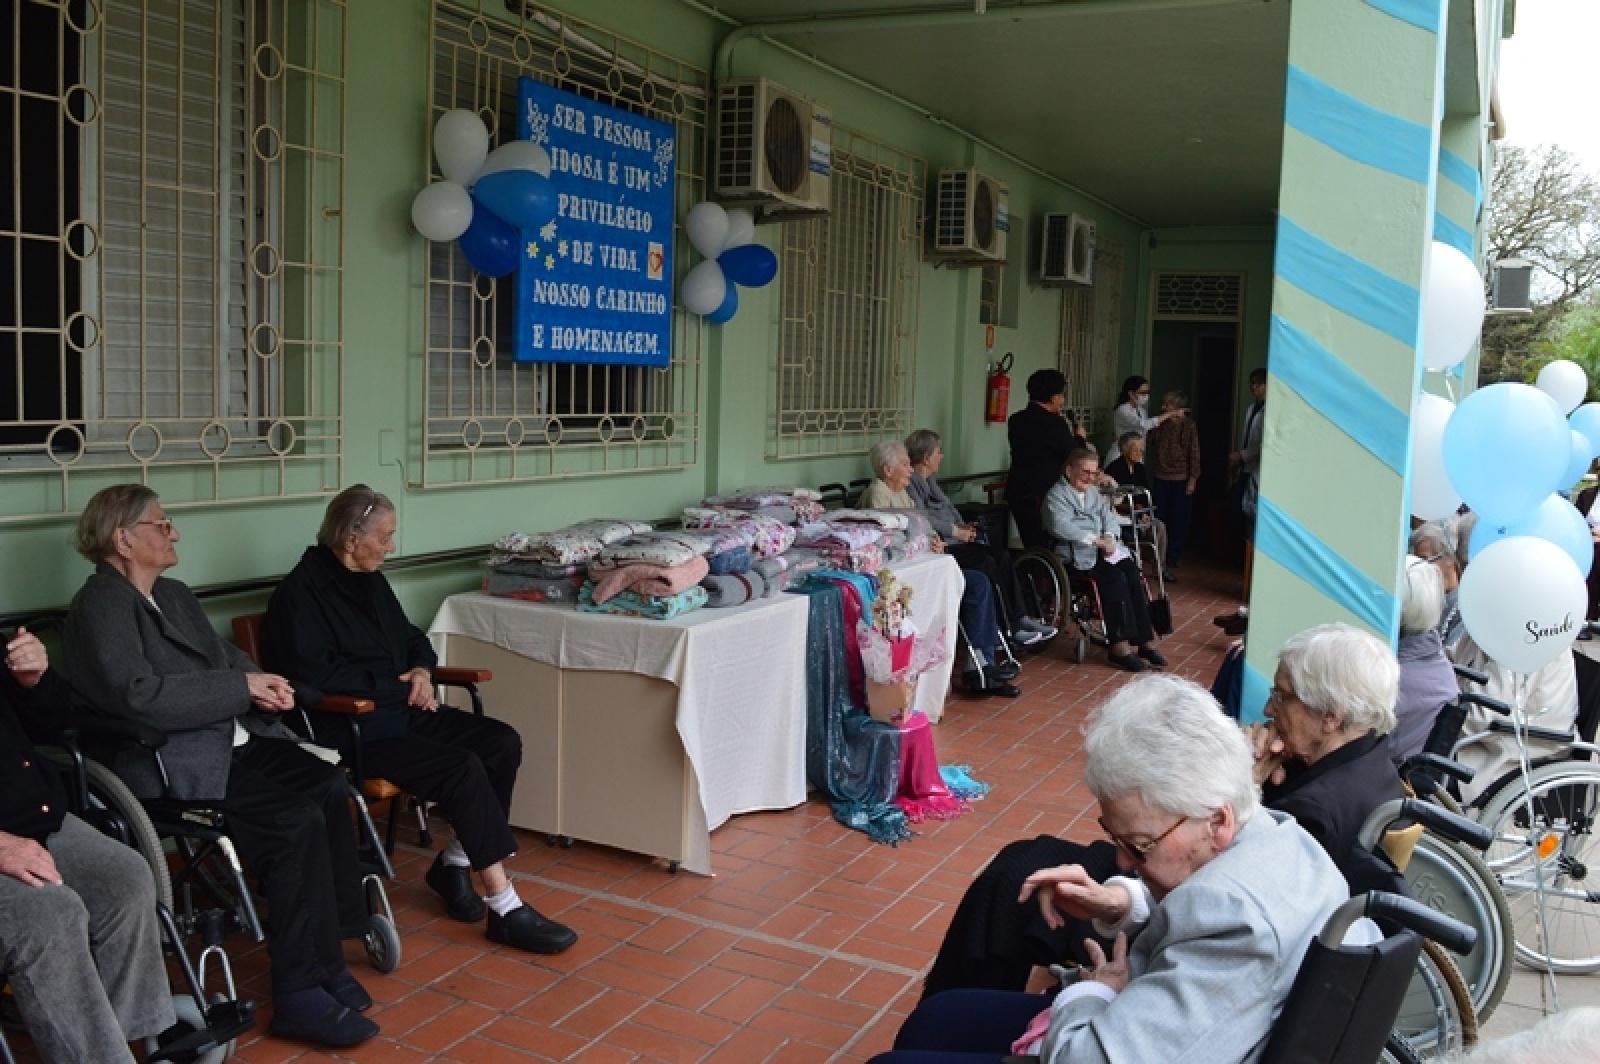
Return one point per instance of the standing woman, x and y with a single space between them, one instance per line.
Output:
1129 414
1174 459
1041 435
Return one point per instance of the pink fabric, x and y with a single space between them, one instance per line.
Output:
850 603
923 795
1028 1043
652 580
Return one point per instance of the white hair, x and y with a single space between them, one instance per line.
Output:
1165 742
1338 668
1421 596
1571 1035
884 453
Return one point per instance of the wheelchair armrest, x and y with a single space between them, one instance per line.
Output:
1493 705
452 676
96 726
1472 675
345 705
1448 932
1549 735
1444 766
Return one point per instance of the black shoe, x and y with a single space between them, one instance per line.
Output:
1236 626
1169 577
347 992
454 884
524 928
1130 662
1005 671
336 1028
1153 656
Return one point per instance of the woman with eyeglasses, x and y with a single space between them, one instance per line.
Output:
1217 902
335 624
140 646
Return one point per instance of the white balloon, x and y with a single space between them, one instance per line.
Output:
460 143
442 211
515 155
1565 382
1432 495
1452 307
707 226
704 288
741 229
1522 600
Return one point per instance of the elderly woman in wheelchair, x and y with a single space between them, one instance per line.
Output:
1084 527
1218 902
142 648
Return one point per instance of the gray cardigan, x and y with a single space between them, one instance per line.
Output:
935 505
167 669
1076 525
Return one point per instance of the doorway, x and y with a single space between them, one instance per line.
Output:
1201 359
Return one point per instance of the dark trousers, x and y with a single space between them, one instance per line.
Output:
1028 513
977 615
1123 604
994 562
288 813
467 764
964 1027
1174 506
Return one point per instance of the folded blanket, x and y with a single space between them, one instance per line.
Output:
825 534
801 561
717 540
864 559
656 548
574 543
753 498
513 565
735 589
905 548
643 578
632 605
532 588
736 560
767 535
771 567
881 518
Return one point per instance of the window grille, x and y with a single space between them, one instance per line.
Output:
847 343
173 255
488 418
1198 296
1091 329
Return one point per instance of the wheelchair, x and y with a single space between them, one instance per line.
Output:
213 1020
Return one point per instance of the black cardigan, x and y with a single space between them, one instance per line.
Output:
344 633
1040 443
32 802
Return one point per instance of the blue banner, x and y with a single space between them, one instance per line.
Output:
595 283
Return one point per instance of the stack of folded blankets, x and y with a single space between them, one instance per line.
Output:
792 506
863 541
551 566
765 536
651 574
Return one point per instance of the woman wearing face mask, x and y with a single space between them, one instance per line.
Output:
1130 414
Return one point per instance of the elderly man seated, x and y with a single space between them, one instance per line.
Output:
1215 908
79 940
142 647
1084 526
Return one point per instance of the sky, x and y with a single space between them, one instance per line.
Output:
1547 92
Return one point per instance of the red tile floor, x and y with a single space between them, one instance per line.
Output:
809 944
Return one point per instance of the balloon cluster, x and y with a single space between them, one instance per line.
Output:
487 197
1507 450
727 240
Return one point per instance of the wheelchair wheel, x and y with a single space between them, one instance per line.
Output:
1396 1050
1553 849
383 944
1436 1018
1043 581
1080 649
116 812
1456 882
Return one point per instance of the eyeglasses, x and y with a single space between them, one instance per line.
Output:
163 526
1139 851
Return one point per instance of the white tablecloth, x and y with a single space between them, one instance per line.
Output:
936 585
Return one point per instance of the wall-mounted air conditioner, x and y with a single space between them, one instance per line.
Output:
1066 253
774 149
970 219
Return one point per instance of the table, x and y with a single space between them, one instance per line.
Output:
647 735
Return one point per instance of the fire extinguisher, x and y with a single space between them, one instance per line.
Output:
999 390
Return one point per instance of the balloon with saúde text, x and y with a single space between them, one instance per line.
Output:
1432 495
461 144
1582 458
1522 601
704 288
1565 382
1555 521
516 155
1452 307
729 307
522 199
442 211
492 246
741 228
751 265
707 227
1506 448
1586 419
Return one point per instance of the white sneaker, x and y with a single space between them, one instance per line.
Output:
1033 624
1027 637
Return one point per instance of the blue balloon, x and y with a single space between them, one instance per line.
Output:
1555 520
492 246
730 307
1586 419
520 197
1506 448
1582 457
749 264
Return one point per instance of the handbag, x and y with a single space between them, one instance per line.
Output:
1161 615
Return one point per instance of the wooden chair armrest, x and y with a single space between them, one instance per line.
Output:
451 674
346 705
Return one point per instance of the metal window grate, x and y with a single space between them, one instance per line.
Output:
172 249
847 344
1091 326
1198 296
488 418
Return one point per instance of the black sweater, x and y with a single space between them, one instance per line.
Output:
32 802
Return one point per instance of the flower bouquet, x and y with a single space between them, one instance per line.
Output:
893 654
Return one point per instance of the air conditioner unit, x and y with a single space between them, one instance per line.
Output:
970 218
1511 287
774 148
1066 254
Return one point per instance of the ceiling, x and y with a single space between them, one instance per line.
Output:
1171 110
